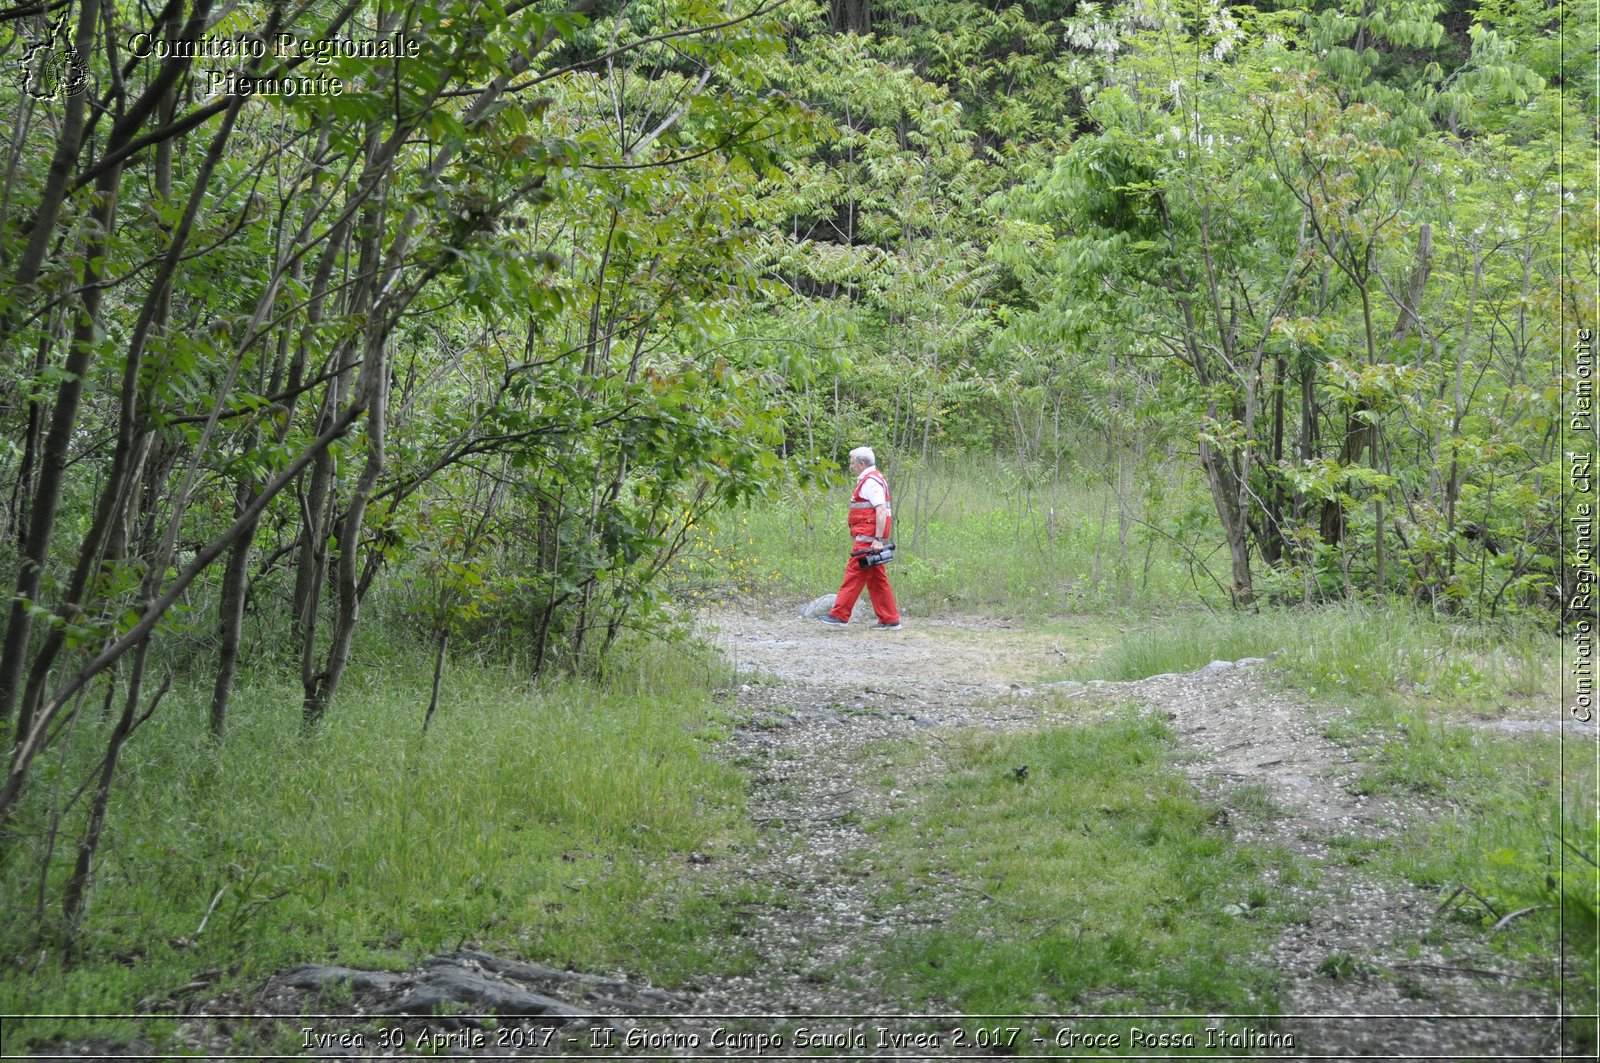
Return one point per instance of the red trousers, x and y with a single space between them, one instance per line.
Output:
876 581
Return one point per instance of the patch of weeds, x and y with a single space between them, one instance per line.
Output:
1356 851
1351 650
1511 852
1295 872
1470 910
1296 913
1256 802
1343 729
1365 784
1180 645
1343 967
1098 875
1433 937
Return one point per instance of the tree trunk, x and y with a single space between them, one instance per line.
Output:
372 394
1272 542
75 899
53 194
1225 494
53 459
230 623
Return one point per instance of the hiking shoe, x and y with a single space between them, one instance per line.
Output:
889 627
833 621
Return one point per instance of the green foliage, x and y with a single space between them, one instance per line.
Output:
1256 228
546 823
1118 291
447 335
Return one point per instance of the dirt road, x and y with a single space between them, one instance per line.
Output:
1388 975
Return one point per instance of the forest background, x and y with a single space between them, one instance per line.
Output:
486 359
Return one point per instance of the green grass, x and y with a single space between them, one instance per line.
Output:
1518 832
552 825
1409 686
1100 882
985 538
555 824
1350 649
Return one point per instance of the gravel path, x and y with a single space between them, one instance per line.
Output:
1392 977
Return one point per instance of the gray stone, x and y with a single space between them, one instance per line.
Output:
522 972
313 976
1214 667
822 713
448 985
1524 726
611 1004
817 606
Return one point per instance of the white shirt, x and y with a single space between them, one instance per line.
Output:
871 490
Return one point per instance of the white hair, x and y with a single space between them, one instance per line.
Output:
864 454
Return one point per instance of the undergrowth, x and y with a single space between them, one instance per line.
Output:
552 823
1349 649
972 535
1416 699
1514 846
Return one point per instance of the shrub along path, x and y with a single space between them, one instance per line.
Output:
840 727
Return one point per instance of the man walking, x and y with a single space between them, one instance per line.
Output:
870 519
